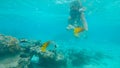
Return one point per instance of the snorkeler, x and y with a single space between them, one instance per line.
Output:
76 18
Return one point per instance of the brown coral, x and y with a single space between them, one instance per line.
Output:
8 44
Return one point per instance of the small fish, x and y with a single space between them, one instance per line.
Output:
77 30
44 46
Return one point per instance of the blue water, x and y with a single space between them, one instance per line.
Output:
47 20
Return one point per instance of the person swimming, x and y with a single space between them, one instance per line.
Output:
77 18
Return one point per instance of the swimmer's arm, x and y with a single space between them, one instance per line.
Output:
84 22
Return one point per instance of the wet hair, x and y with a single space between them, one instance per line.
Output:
75 4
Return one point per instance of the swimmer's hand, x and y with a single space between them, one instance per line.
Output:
70 27
82 9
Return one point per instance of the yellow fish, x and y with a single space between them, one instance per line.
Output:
77 30
44 46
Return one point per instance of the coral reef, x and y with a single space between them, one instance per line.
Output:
8 45
30 55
